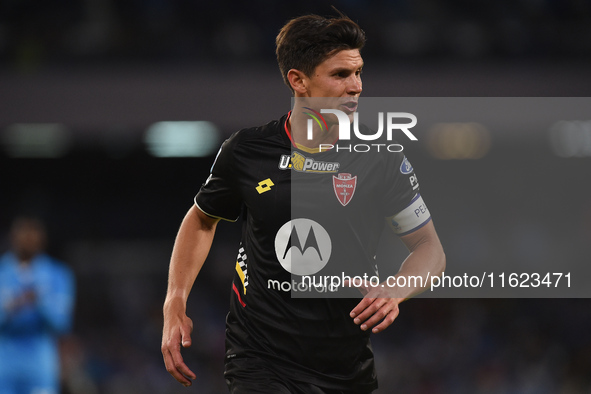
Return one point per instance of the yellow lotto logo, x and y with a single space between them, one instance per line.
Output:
264 186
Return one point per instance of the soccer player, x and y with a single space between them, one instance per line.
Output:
277 343
36 301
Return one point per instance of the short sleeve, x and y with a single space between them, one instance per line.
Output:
219 196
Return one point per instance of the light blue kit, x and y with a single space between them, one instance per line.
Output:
29 329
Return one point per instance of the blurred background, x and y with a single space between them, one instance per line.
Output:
111 113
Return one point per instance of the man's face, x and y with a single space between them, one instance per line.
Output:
28 239
338 76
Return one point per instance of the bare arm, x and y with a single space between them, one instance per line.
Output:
190 249
426 258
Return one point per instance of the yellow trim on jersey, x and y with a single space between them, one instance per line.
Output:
310 150
241 275
213 216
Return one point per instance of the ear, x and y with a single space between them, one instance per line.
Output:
297 80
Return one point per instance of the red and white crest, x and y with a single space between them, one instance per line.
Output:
344 187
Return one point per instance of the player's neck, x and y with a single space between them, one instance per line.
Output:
313 141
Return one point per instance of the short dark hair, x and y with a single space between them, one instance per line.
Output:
306 41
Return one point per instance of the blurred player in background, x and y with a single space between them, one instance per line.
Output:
36 303
276 343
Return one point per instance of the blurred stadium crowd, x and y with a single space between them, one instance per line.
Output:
112 214
33 33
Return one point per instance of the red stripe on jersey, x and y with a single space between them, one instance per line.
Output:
238 294
287 130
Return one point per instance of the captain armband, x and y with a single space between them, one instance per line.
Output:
411 218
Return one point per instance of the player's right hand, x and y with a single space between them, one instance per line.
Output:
176 332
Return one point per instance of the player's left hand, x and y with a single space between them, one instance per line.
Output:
377 309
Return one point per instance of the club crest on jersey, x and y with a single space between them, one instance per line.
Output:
301 163
344 187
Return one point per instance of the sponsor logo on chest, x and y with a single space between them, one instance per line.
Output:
301 163
344 184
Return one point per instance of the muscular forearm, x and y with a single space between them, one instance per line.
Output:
188 255
379 307
426 260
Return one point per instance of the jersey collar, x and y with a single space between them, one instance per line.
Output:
296 145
